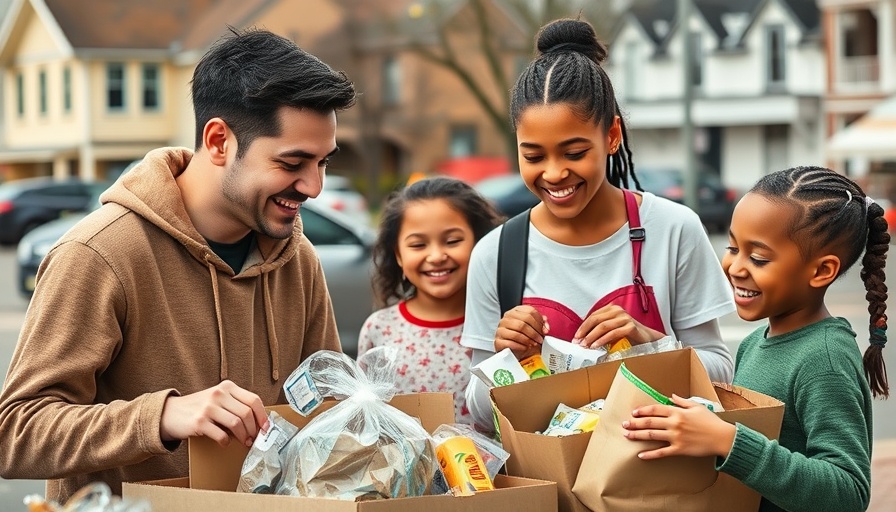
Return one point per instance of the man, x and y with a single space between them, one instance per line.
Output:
180 306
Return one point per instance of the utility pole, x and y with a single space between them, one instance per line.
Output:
689 172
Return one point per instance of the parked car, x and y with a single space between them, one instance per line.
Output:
342 243
508 193
339 194
28 203
715 201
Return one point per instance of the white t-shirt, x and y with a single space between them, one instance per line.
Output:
677 261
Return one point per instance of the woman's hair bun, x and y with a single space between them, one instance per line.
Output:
570 35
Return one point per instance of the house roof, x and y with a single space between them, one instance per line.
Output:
658 18
122 25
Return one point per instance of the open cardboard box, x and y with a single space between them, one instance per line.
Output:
215 472
526 407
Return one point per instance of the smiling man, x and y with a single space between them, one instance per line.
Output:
178 308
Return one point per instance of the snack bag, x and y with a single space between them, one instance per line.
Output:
362 448
501 369
462 466
490 452
562 356
567 421
534 367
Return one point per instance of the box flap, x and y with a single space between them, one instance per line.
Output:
760 412
512 494
218 468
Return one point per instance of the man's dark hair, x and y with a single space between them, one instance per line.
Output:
246 76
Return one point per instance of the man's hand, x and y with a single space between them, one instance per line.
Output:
522 329
690 429
220 413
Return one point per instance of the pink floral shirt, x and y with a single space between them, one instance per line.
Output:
430 357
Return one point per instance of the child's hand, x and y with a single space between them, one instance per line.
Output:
610 324
522 329
690 429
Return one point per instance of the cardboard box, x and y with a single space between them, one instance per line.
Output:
215 472
527 407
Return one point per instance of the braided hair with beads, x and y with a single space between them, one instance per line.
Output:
568 70
835 214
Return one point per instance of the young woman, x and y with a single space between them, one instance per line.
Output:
603 262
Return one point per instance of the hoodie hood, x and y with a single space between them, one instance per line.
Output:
150 190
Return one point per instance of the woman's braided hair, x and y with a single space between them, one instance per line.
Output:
568 70
833 213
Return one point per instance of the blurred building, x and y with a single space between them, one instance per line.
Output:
758 75
90 85
860 95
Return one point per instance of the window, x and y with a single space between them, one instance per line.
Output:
391 81
774 54
696 60
42 91
115 86
67 89
20 94
463 141
151 86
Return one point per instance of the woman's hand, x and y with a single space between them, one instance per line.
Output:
690 429
610 324
522 330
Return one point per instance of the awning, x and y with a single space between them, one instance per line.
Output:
872 136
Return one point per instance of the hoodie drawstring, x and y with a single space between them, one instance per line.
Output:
214 276
273 343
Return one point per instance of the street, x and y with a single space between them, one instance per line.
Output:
845 298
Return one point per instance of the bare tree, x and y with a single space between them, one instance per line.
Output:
452 21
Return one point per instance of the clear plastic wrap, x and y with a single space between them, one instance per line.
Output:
362 447
96 497
264 463
664 344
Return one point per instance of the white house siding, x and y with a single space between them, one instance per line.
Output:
734 96
743 161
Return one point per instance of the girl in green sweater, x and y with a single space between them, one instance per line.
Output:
791 236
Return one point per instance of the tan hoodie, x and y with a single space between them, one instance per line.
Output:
131 306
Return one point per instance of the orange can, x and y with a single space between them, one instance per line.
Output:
462 466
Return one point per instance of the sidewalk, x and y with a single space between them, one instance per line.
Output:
883 476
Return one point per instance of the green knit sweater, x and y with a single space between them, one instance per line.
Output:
823 458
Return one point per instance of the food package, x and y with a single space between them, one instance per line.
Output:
568 420
361 448
489 455
563 356
501 369
264 463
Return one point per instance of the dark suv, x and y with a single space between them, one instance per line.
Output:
28 203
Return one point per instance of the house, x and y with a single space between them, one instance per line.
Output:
91 85
860 49
758 78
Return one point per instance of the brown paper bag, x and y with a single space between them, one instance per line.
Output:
613 478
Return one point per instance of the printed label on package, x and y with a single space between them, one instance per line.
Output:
302 394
